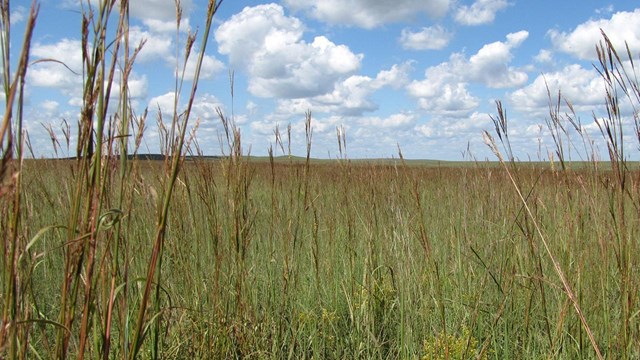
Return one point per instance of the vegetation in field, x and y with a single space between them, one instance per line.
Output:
110 256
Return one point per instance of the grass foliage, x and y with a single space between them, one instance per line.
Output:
108 256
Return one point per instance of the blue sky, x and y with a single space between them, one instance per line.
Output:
422 75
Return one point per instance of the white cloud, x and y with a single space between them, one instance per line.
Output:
447 127
369 14
160 47
350 97
444 89
450 99
544 56
454 100
396 77
160 15
168 27
480 12
255 28
622 26
163 103
401 120
263 128
137 86
67 51
18 14
210 66
583 88
49 72
156 46
50 106
279 62
157 9
157 15
252 108
203 108
429 38
605 10
203 113
490 65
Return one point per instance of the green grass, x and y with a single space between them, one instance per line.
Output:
354 266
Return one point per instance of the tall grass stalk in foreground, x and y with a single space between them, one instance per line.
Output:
622 90
176 157
14 311
89 226
94 303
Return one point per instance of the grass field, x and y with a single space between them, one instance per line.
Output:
349 260
110 256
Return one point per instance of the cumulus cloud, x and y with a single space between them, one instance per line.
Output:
345 106
156 46
264 27
444 90
137 86
480 12
163 103
490 65
622 26
205 108
269 46
351 97
157 9
429 38
454 100
369 14
160 47
59 66
582 87
160 15
210 66
50 71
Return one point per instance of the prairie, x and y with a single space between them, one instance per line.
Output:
342 260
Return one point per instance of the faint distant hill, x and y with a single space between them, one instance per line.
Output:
301 159
157 157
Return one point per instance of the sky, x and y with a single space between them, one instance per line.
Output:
422 76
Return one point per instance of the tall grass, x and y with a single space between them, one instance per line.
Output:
13 307
298 259
621 90
97 296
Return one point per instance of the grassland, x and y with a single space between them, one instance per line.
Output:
343 260
109 256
